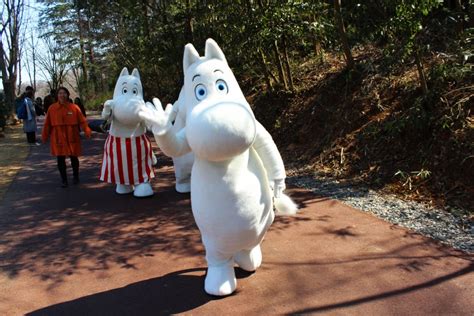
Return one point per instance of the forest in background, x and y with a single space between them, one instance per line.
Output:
379 92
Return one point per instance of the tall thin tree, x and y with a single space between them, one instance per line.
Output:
10 30
342 34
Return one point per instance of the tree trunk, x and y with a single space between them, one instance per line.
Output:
9 92
342 34
421 73
189 31
287 66
146 26
460 14
281 73
34 71
19 75
9 57
318 49
91 52
268 74
81 45
77 78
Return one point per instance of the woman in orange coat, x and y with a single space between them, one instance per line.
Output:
62 124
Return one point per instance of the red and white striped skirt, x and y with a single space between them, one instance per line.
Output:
127 160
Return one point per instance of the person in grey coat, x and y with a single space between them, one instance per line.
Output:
29 124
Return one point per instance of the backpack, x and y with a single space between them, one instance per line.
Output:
21 112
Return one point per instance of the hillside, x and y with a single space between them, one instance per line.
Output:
374 127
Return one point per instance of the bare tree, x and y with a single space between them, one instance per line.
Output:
10 29
21 51
54 62
30 62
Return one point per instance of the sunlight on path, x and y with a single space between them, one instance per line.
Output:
13 151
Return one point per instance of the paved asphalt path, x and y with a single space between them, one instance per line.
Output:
86 251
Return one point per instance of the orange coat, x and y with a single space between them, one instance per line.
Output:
62 123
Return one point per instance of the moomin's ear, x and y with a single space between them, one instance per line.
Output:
190 56
214 51
124 72
135 73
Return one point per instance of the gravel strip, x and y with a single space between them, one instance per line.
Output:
432 222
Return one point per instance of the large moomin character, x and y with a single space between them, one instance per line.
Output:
237 169
128 157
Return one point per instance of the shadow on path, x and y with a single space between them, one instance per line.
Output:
54 232
172 293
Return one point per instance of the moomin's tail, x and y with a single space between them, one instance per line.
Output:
284 205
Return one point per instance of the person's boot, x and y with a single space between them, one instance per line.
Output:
75 175
64 183
75 171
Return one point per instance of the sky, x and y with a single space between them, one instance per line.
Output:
32 10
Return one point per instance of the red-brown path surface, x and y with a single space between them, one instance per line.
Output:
86 251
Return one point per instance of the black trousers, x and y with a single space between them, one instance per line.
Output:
31 137
62 167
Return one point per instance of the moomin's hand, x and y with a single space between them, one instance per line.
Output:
109 104
107 111
278 186
155 117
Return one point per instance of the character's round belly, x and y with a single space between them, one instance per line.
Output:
232 210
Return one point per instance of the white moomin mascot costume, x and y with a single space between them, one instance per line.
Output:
235 168
184 163
128 156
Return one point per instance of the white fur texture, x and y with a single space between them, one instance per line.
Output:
236 162
184 163
285 206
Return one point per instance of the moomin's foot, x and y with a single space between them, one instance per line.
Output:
124 189
220 281
143 190
183 187
249 260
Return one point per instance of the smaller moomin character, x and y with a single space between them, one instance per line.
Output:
128 156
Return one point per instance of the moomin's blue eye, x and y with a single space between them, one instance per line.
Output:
200 91
221 86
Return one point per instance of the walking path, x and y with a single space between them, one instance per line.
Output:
86 251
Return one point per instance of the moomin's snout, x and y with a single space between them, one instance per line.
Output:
220 131
126 111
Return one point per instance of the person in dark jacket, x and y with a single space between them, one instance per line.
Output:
39 106
49 99
78 102
29 124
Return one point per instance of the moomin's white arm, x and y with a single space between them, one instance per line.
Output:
107 111
173 145
269 154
